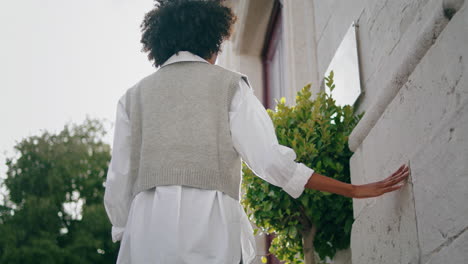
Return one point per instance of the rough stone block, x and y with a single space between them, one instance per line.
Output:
426 123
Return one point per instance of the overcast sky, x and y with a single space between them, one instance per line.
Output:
61 60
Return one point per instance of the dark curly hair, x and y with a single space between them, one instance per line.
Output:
198 26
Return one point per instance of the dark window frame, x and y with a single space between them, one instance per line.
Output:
272 38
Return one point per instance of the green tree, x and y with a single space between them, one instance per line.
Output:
317 221
51 172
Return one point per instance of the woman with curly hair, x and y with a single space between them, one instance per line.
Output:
173 184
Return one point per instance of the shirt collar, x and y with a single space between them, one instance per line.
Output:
183 55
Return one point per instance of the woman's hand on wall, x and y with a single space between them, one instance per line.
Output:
389 184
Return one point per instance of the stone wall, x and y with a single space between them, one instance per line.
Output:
414 77
425 125
413 70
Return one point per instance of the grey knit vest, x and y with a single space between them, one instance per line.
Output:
180 132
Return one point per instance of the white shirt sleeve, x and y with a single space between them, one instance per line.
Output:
117 195
254 138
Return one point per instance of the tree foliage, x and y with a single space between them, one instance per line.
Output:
51 172
318 132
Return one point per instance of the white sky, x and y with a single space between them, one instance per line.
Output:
61 60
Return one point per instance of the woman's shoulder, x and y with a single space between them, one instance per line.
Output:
236 73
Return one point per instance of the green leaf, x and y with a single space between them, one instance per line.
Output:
292 232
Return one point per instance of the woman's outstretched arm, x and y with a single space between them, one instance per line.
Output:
323 183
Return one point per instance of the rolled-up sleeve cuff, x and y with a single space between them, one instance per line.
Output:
296 184
117 233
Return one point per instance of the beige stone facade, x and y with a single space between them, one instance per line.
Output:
413 58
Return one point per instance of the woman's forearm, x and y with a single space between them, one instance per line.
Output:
373 189
323 183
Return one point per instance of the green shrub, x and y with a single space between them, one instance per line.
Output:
318 132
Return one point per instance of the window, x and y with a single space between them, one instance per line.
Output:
345 66
273 59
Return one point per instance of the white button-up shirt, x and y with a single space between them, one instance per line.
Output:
181 224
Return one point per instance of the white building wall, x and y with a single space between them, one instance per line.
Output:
413 63
413 74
